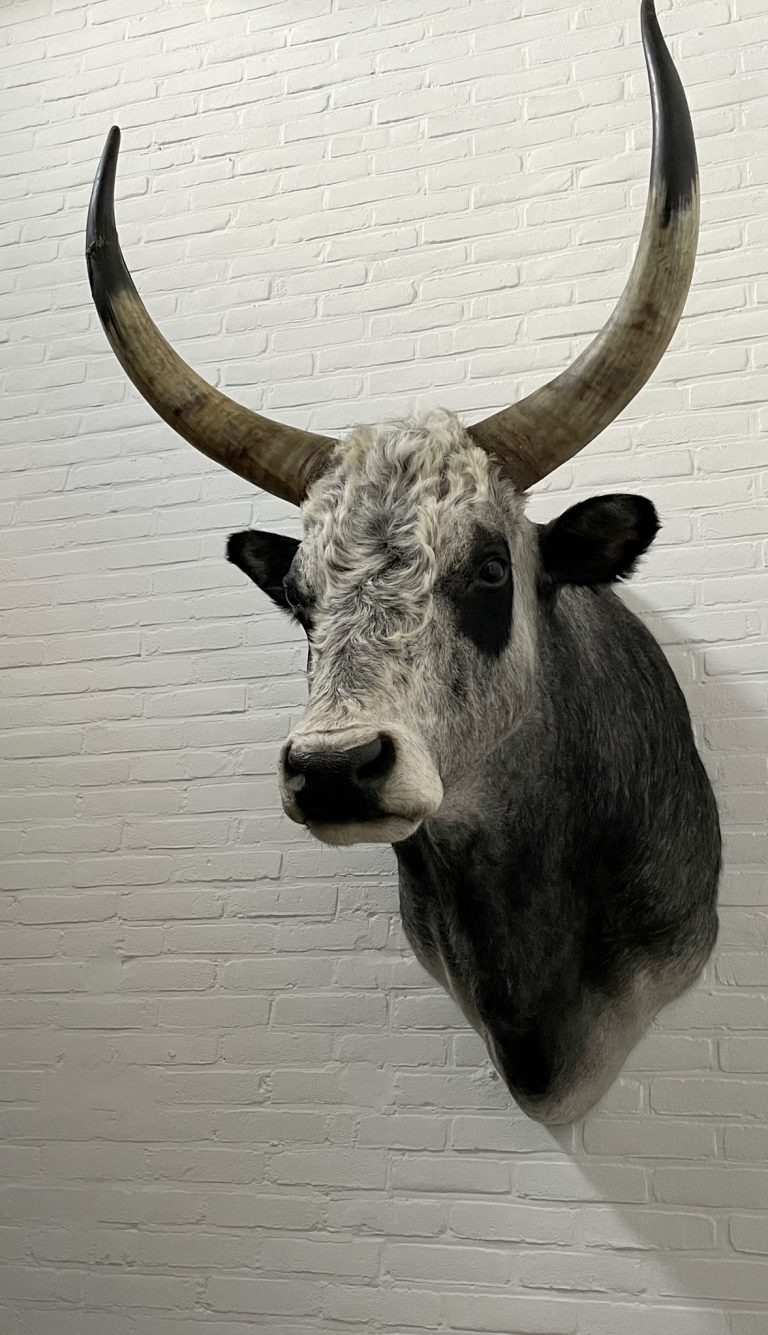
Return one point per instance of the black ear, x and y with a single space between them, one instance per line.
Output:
265 558
599 540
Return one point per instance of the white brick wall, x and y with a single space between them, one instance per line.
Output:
232 1102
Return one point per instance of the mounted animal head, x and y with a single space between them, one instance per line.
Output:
420 582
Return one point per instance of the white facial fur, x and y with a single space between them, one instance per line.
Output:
395 514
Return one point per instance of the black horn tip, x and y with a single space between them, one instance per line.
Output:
101 215
675 168
107 273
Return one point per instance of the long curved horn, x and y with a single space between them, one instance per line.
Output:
280 459
540 432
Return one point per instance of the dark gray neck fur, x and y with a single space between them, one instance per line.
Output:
596 852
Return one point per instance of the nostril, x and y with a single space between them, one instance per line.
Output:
378 761
366 757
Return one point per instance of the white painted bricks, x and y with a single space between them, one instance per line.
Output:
231 1100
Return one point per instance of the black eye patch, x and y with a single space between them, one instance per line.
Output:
480 594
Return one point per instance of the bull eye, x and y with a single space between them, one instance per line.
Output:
480 593
300 611
493 573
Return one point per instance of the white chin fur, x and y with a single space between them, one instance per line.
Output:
388 830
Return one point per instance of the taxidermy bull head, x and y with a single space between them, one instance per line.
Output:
478 695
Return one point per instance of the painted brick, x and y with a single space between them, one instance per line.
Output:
570 1182
230 1098
721 1186
510 1315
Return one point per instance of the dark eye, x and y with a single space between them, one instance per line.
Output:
493 572
299 609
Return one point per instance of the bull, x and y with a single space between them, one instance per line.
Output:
479 697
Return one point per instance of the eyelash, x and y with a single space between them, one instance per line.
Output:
299 611
292 596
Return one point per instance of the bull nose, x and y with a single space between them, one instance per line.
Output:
356 764
333 785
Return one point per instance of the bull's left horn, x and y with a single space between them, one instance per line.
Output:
541 431
281 459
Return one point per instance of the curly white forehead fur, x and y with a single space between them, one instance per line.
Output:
388 514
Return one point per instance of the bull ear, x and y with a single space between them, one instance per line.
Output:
598 541
265 558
